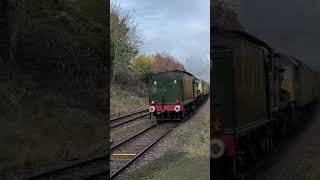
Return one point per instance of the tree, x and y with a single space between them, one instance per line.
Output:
125 39
146 65
164 62
143 62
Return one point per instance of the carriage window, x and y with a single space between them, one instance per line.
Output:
155 82
175 81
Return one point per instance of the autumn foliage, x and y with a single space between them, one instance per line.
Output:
164 62
125 43
149 65
144 63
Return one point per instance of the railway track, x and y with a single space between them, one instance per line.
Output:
133 136
128 115
105 173
124 154
81 170
128 118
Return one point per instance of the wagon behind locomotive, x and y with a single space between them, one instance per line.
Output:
289 81
307 85
204 86
299 81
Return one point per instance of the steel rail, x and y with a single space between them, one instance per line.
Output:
138 155
130 138
128 115
56 171
133 119
132 160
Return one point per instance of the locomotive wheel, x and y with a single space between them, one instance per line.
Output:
184 114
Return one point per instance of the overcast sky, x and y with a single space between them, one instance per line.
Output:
180 28
290 26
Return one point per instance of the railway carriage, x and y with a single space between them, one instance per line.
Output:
253 87
198 90
289 82
307 85
299 81
203 88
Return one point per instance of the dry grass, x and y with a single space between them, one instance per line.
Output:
125 101
192 145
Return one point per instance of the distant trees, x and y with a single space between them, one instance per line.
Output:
125 42
149 65
164 62
125 39
145 64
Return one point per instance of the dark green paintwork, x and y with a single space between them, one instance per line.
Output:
240 94
222 77
166 91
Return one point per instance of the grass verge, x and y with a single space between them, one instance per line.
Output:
126 101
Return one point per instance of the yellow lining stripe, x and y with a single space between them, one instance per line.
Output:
124 154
